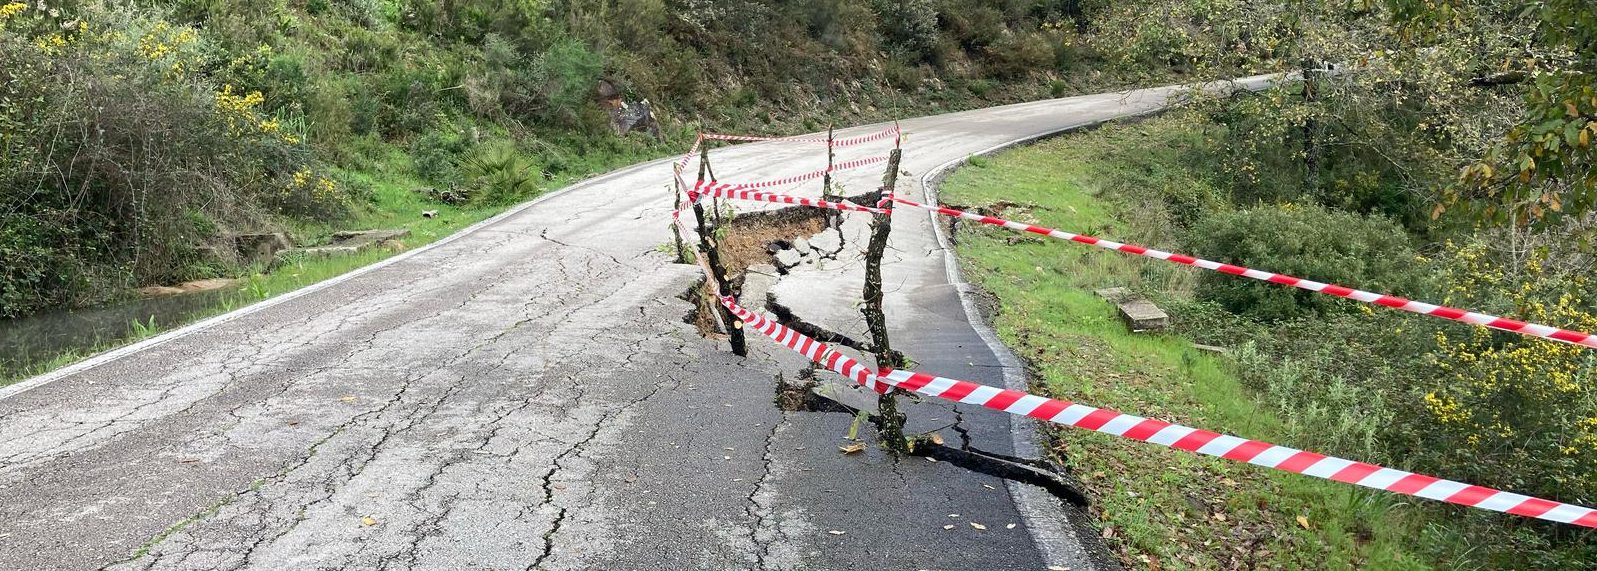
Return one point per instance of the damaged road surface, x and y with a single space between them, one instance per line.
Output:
525 395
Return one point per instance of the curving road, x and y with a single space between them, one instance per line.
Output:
525 394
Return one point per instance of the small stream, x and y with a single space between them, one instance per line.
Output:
34 340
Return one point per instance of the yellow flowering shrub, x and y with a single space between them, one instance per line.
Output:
307 193
12 9
241 113
182 157
1519 411
170 47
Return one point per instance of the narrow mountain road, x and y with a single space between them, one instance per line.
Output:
523 395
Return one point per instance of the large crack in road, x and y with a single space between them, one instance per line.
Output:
524 396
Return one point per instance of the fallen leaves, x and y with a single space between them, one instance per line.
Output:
854 448
368 520
1303 521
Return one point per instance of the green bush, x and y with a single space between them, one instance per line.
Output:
119 144
909 26
499 175
1508 410
1017 55
565 75
436 156
1311 242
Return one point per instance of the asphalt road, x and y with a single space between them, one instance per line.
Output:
525 395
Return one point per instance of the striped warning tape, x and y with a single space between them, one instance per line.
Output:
1420 307
811 349
812 175
891 131
693 150
728 190
1171 435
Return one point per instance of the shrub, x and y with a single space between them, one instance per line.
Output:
435 155
909 27
499 175
565 75
1322 411
139 144
1058 88
974 25
1018 55
1514 411
1311 242
902 75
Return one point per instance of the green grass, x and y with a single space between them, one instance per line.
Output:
1155 506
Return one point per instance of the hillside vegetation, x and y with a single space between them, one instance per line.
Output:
137 137
1440 151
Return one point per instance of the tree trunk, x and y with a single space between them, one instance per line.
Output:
889 422
1311 127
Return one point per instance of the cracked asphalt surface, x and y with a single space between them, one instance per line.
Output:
522 396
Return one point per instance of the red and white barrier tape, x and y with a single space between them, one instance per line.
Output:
1420 307
1171 435
1136 427
890 132
728 190
886 133
757 138
811 349
812 175
693 150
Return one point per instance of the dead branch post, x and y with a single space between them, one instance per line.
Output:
834 219
676 204
712 255
889 422
705 168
